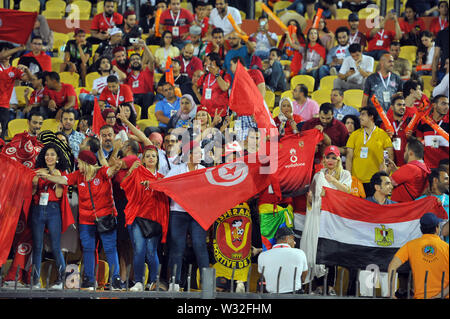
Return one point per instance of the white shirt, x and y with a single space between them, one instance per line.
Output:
366 64
177 170
262 41
282 255
216 20
442 87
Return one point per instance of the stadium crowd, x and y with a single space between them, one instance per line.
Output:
167 74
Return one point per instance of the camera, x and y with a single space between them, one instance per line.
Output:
134 40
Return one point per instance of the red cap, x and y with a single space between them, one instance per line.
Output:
88 157
332 150
202 108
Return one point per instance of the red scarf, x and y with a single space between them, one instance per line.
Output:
143 202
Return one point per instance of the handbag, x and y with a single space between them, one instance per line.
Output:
106 223
149 228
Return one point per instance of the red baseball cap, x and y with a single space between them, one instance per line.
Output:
332 150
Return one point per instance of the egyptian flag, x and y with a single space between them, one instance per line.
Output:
209 192
15 194
245 99
16 26
355 233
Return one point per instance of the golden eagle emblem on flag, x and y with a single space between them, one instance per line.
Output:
384 236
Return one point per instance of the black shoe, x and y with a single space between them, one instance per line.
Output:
117 284
87 285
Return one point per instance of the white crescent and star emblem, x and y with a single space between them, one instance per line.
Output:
228 175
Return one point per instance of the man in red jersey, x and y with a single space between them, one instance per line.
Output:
58 96
104 21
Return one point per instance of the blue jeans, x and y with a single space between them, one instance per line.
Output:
144 248
297 6
109 241
180 223
41 217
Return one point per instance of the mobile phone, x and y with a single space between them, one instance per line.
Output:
134 40
353 69
386 157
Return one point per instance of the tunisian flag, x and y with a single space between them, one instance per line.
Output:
209 192
15 193
245 99
355 233
16 26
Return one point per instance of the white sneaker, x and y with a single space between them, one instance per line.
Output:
37 286
174 287
240 288
137 287
57 286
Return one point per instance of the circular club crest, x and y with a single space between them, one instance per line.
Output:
228 175
96 182
24 249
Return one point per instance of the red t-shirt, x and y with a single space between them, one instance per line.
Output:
45 187
101 23
189 67
127 69
124 95
380 41
7 78
36 96
410 181
43 59
222 50
101 192
399 150
407 27
288 128
117 190
437 25
182 20
256 76
60 97
218 99
142 83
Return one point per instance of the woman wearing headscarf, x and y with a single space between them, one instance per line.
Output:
185 115
287 121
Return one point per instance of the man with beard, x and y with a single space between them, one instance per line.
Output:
104 21
106 48
188 62
237 49
218 17
74 137
58 96
336 55
121 60
167 107
115 94
129 19
383 84
399 119
355 35
141 79
218 44
382 185
409 180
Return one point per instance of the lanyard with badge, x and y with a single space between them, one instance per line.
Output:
397 141
386 94
435 139
442 25
135 83
381 41
110 23
365 150
116 98
175 29
352 40
43 198
208 90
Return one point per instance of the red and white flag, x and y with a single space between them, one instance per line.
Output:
209 192
16 26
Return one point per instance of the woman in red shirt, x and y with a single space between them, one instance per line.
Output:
286 121
411 26
91 178
145 203
46 212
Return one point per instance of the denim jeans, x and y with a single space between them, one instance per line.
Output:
180 223
144 249
50 216
109 241
297 6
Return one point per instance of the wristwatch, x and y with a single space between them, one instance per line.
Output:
217 75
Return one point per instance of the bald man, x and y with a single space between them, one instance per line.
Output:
188 62
383 83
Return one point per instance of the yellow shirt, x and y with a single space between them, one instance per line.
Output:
364 168
430 253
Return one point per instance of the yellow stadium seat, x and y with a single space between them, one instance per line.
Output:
280 5
50 124
307 80
59 39
408 52
285 62
353 98
138 110
70 78
151 111
342 13
17 126
327 82
53 14
270 99
20 92
427 83
276 112
375 65
56 5
56 63
243 15
15 62
143 124
30 5
90 77
321 96
187 6
287 94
